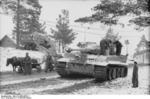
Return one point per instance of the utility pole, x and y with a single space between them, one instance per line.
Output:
85 28
84 31
84 35
18 21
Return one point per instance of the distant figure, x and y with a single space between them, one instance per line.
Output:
49 63
118 47
105 46
27 64
135 75
112 49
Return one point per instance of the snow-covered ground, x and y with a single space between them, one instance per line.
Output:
122 85
53 84
10 52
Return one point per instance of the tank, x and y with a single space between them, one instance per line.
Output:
88 62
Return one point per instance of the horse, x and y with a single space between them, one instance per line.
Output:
18 61
14 61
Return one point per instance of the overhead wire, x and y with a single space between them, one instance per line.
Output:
82 29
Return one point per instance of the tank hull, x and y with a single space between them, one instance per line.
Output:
107 69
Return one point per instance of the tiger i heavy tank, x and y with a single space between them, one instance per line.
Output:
87 61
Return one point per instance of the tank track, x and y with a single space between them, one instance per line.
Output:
109 72
61 69
100 73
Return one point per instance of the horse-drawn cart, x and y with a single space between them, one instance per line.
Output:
17 63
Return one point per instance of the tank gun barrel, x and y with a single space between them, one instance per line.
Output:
85 50
81 50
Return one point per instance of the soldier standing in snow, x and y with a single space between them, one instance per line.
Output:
118 47
135 75
27 64
105 46
49 63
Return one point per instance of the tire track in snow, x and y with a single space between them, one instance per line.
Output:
25 80
50 87
38 86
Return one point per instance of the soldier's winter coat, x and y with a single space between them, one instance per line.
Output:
135 75
104 45
49 62
118 47
27 65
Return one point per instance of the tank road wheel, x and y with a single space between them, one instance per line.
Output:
117 72
125 71
113 73
100 73
122 72
109 73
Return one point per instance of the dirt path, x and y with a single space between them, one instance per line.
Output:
56 85
39 86
14 78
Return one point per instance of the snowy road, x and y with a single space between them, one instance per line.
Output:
53 84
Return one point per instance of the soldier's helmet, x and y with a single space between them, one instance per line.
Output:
27 54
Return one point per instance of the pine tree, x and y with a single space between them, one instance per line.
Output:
109 11
63 34
111 35
29 13
142 41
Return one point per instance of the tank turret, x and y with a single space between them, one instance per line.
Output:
91 49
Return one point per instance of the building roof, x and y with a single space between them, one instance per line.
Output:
7 42
143 43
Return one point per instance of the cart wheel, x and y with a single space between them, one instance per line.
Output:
38 68
19 70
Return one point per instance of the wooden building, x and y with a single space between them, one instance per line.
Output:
142 54
7 42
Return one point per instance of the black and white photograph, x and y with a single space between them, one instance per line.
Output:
74 47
